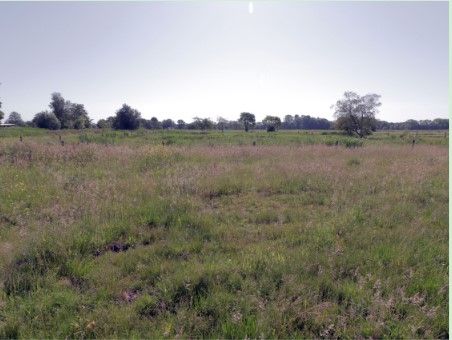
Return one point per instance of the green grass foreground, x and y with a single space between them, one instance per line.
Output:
190 234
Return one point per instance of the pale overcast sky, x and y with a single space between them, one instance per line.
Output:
210 59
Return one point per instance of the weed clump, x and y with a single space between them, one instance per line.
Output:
147 306
24 274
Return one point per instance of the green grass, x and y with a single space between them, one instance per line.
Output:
212 138
115 235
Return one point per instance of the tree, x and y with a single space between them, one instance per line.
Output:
102 124
289 122
168 124
248 120
144 123
436 124
127 118
59 108
221 123
1 112
442 124
201 124
181 124
206 124
70 115
15 118
312 123
78 116
412 124
46 120
272 123
155 124
105 123
356 114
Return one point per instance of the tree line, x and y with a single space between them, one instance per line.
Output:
355 115
411 124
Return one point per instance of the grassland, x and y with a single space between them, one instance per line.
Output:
189 234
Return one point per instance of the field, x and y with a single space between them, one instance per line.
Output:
234 234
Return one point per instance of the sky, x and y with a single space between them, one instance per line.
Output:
185 59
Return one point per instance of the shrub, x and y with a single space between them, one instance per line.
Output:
353 143
46 120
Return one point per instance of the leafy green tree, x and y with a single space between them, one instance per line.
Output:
288 122
127 118
102 124
59 108
248 120
15 118
70 115
221 123
168 124
155 124
105 123
356 114
202 124
272 123
181 124
79 116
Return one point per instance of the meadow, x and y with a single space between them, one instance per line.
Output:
188 234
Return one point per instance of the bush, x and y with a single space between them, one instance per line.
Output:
46 120
353 143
